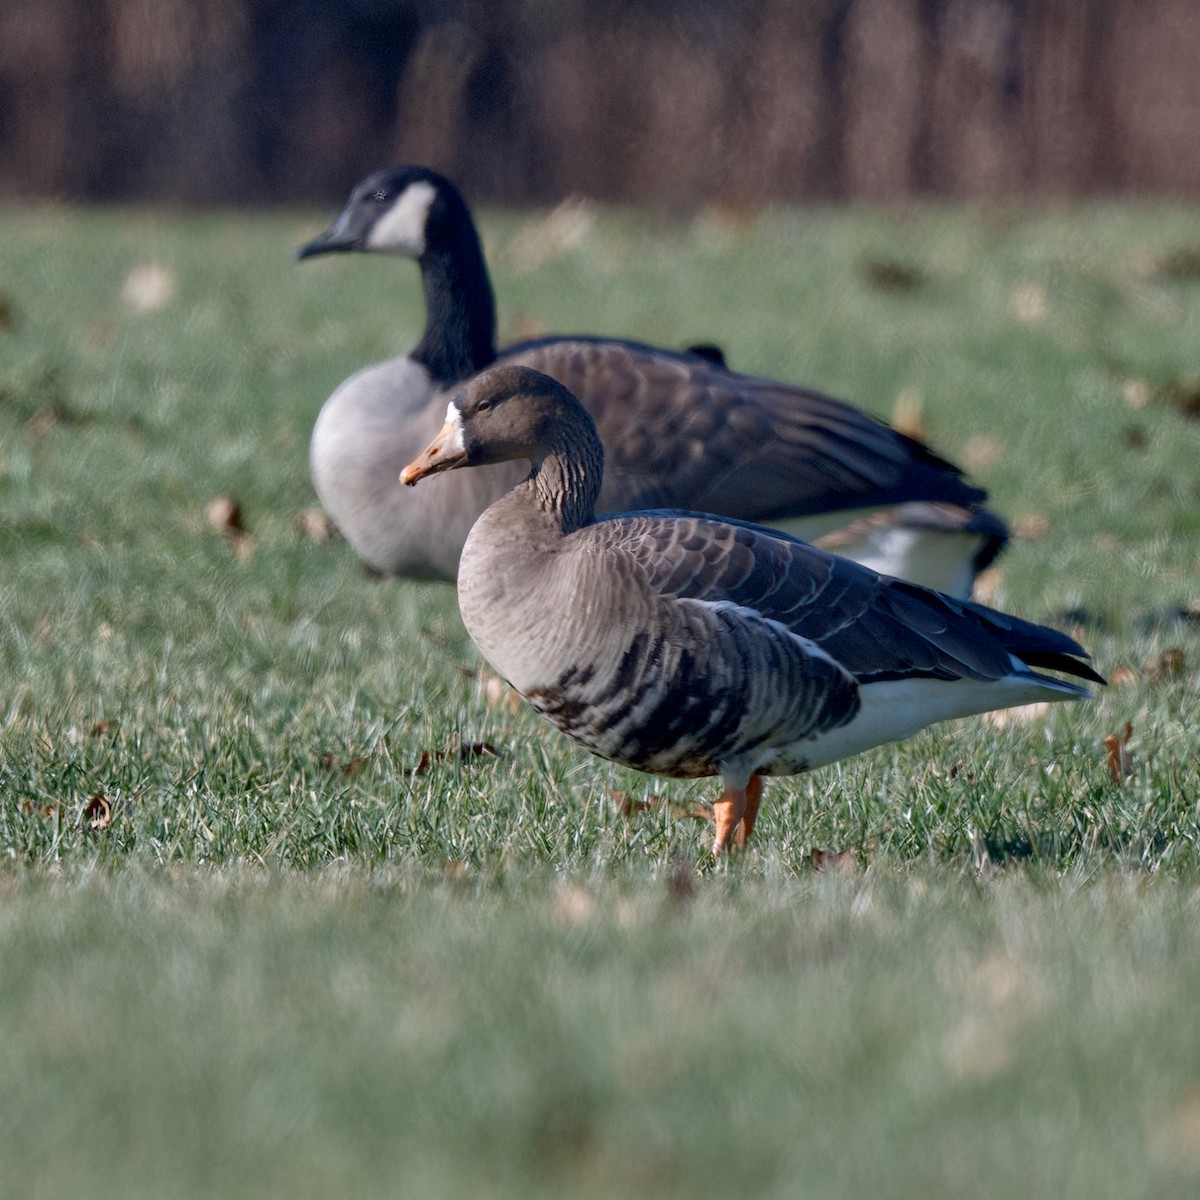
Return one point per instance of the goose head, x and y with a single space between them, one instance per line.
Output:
416 213
403 210
503 414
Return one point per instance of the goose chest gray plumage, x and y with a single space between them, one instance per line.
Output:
687 645
678 428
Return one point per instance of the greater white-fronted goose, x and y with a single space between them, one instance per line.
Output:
686 645
679 429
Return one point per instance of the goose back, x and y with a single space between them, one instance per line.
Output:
682 431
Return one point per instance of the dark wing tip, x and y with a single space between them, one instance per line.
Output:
1067 662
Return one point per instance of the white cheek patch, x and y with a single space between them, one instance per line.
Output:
401 230
454 420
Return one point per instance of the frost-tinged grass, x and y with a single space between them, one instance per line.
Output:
393 1032
321 948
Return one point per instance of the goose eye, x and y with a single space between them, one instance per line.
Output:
484 405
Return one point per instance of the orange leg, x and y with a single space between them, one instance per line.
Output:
728 811
754 791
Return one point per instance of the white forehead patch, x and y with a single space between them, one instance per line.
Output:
401 230
454 420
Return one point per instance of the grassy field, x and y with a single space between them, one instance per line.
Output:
272 923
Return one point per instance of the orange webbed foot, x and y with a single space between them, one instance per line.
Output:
734 814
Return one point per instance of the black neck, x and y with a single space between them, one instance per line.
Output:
460 310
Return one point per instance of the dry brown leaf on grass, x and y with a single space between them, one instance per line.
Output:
1137 393
497 693
349 767
1180 263
889 276
1028 302
98 812
628 807
1031 527
51 416
573 905
1183 395
1123 677
1021 714
7 313
149 287
980 452
987 586
833 862
908 413
225 516
1119 757
1168 665
315 526
466 752
1135 437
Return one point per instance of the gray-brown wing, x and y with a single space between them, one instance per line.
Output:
877 628
682 431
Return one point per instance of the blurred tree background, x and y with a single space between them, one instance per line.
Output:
665 101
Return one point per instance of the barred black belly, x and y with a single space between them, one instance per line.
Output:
675 746
672 720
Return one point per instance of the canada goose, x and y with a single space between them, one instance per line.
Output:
940 546
678 428
686 645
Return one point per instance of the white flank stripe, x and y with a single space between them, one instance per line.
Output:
898 708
